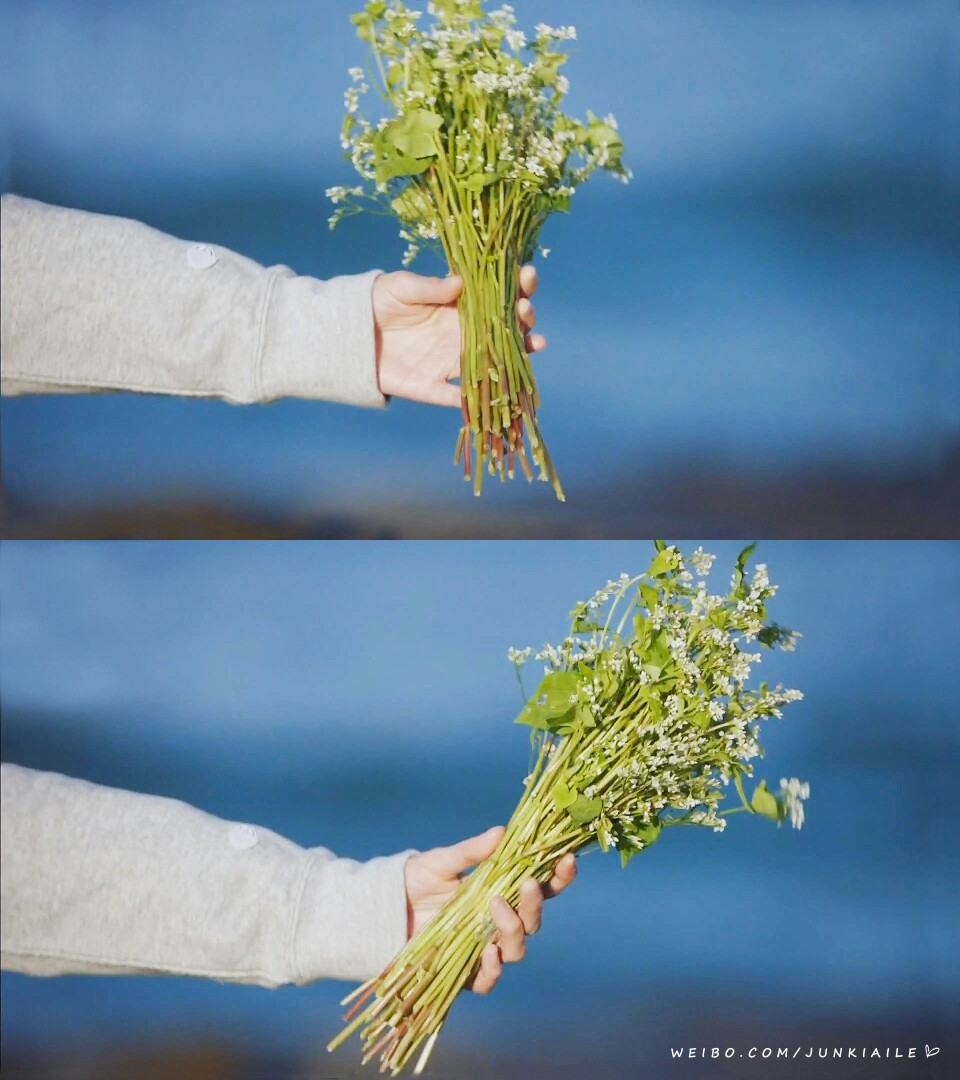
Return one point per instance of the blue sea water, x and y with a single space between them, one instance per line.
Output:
357 696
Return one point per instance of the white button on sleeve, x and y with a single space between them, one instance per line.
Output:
201 256
242 836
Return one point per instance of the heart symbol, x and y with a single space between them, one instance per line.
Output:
932 1051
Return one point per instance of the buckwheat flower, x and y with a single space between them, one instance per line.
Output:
545 252
488 82
562 84
702 562
793 793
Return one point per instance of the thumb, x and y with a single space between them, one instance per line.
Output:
459 857
416 289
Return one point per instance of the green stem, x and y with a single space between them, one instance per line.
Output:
483 237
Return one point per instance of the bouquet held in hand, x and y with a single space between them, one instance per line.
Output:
473 155
642 722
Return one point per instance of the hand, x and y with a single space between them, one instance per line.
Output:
432 877
418 333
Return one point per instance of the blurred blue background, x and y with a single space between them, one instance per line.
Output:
358 696
761 334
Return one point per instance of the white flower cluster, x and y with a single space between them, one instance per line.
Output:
702 562
341 192
519 656
556 33
793 793
506 120
656 752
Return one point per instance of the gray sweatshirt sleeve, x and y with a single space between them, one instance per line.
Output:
96 303
102 881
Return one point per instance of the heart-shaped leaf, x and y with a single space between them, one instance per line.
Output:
562 795
765 802
479 181
583 809
394 165
551 705
412 134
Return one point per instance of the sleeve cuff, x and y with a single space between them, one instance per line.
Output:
318 340
352 917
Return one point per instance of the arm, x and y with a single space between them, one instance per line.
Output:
91 302
103 881
95 303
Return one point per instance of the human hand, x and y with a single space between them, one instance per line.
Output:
432 877
418 333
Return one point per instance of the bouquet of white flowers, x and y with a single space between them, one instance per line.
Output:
475 154
642 719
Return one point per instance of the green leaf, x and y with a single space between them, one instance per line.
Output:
651 596
700 719
551 705
532 178
649 832
395 165
562 795
364 24
550 204
765 802
604 135
376 8
557 688
536 715
413 133
665 561
394 74
584 716
600 134
658 651
478 181
740 588
583 810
